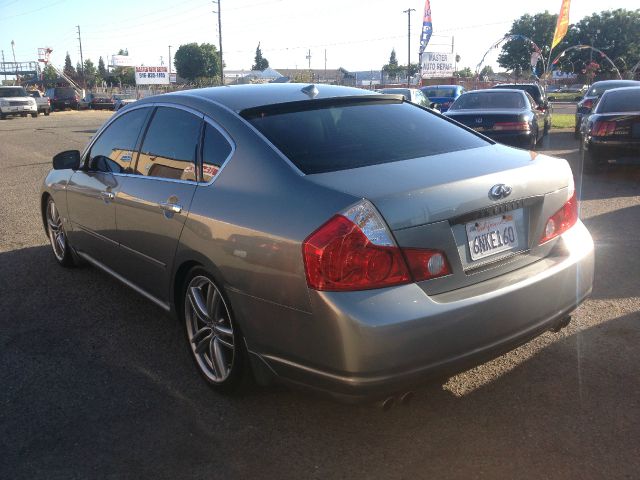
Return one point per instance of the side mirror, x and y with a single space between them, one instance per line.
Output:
65 160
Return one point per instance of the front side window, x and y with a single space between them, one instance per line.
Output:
115 149
323 137
170 145
215 150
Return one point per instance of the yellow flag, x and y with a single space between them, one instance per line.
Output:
563 23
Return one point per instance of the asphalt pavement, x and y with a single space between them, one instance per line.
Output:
97 382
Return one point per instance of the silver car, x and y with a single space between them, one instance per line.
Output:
328 237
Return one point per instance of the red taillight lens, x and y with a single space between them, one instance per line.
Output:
517 126
339 256
562 220
587 103
355 251
604 128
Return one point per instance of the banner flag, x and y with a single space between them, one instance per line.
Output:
427 27
563 23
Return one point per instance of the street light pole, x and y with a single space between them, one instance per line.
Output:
408 12
219 2
169 63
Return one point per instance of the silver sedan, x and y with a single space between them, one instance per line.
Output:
328 237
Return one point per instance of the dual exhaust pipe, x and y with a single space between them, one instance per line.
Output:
402 399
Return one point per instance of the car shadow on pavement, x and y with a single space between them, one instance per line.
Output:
97 381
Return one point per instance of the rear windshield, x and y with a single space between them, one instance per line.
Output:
623 101
439 92
597 90
405 92
532 90
13 92
489 101
319 137
65 92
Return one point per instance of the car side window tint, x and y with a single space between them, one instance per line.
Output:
114 150
169 147
215 150
533 103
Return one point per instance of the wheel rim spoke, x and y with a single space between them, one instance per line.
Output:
217 358
200 334
198 304
202 346
60 242
223 331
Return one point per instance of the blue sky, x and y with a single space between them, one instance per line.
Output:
356 35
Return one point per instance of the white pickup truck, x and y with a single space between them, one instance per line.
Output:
44 103
16 101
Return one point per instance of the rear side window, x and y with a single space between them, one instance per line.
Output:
170 145
624 101
115 148
215 150
324 138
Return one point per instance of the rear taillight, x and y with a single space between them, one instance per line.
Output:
517 126
355 251
588 103
562 220
48 101
603 128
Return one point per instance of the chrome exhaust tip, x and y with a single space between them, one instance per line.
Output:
387 403
406 397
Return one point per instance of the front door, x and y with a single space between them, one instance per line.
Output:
93 190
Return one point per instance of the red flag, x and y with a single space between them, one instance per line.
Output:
563 23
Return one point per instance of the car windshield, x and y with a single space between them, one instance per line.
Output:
439 92
489 101
323 137
13 92
598 89
627 100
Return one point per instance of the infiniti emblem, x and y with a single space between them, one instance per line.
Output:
499 191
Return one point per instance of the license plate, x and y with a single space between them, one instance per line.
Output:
488 236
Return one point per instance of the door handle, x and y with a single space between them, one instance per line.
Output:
170 207
107 195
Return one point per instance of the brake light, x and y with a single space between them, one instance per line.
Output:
517 126
588 103
355 251
562 220
603 128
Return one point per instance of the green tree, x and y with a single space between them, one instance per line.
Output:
464 73
615 32
68 70
102 71
392 69
197 62
49 73
539 28
261 63
486 71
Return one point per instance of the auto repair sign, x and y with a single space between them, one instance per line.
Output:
437 64
152 75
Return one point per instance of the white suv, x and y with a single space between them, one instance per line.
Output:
16 101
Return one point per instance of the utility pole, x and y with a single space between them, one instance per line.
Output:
219 12
408 12
84 83
325 65
13 49
308 57
169 63
4 68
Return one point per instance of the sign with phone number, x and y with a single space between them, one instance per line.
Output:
152 75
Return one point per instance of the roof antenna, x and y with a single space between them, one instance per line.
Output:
311 91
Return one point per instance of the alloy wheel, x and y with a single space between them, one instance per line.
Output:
209 329
56 231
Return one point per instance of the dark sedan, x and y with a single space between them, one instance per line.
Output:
539 96
506 116
593 94
97 101
612 131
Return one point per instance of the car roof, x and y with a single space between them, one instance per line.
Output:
621 89
608 82
440 86
242 97
495 91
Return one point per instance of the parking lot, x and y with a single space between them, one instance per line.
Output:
98 382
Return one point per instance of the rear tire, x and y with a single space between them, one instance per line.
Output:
592 162
46 113
213 336
34 115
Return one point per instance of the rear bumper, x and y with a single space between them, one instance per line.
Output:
515 139
367 345
615 149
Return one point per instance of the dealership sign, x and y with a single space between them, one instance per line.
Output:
437 64
152 75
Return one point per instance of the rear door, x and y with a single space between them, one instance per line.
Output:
92 191
154 201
